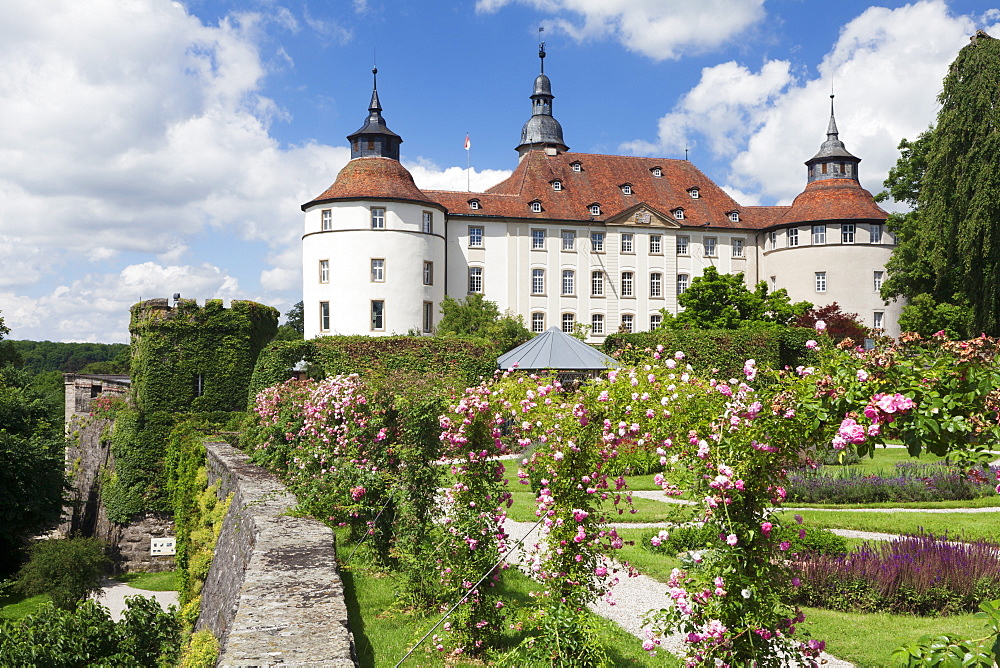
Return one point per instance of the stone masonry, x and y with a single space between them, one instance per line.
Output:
273 596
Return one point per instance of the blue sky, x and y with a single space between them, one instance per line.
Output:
150 147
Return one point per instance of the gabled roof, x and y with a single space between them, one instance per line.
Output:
599 182
554 349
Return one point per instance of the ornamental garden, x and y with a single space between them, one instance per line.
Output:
423 475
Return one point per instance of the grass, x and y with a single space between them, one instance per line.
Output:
647 510
969 526
17 606
383 632
992 501
656 566
868 640
165 581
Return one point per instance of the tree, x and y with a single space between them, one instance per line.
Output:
68 570
949 244
839 325
722 301
478 317
926 317
294 327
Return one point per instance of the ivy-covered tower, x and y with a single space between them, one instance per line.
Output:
187 357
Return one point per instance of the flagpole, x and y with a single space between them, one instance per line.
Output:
468 163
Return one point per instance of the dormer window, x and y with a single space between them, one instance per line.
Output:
536 207
694 192
474 204
576 166
657 172
734 216
626 189
679 214
557 185
595 209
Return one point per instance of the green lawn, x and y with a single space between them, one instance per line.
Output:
647 510
166 581
16 606
384 633
970 526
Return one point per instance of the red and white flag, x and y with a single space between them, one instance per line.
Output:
468 144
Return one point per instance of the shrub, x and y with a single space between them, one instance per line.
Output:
67 570
918 574
695 537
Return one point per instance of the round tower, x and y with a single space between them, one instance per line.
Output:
373 250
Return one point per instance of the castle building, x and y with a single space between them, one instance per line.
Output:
606 241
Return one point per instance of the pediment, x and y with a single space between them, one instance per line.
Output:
643 215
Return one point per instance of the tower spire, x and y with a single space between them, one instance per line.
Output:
833 161
831 129
542 131
541 49
375 139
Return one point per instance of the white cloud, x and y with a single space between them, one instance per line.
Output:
429 176
767 123
95 307
655 28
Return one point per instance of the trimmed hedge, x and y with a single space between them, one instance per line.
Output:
468 360
722 349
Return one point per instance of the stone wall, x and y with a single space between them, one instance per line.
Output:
88 453
273 596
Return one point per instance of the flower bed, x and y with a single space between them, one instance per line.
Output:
920 574
910 481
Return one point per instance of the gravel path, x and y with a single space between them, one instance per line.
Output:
113 595
633 598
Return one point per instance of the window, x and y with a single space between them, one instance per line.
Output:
734 216
568 279
324 271
475 279
428 273
378 315
772 238
709 246
324 316
557 185
627 281
597 242
538 281
568 240
576 167
656 284
655 320
568 322
627 243
877 318
597 283
820 281
537 239
595 209
682 283
427 223
536 207
792 237
428 317
628 321
626 189
378 270
847 233
695 193
655 244
878 280
474 204
819 235
657 172
679 214
875 234
327 220
682 245
737 247
597 323
475 237
378 218
199 385
537 322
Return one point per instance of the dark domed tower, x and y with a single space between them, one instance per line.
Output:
542 131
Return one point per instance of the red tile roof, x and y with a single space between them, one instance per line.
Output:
372 177
832 199
599 182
